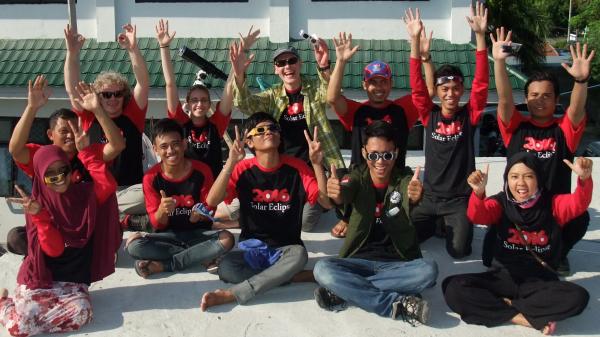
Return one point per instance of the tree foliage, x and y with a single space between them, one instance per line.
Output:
589 16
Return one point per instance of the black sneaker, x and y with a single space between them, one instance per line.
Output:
564 268
328 300
411 309
136 223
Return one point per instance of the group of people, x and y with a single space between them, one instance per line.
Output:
90 184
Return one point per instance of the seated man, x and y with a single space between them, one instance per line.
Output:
380 267
272 189
172 189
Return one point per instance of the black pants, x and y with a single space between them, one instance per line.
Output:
572 232
478 298
453 211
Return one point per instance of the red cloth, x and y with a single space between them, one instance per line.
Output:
405 102
218 118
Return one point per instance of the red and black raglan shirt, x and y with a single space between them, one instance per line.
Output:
550 142
127 167
271 200
401 114
543 235
187 191
293 123
79 173
449 148
204 142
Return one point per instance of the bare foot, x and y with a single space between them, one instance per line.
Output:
217 297
339 230
549 329
519 319
3 293
304 276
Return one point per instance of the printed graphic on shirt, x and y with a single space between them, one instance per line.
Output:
386 118
543 148
378 213
295 111
199 139
537 240
271 200
447 132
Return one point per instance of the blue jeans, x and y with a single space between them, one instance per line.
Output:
375 285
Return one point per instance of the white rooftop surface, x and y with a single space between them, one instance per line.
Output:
168 304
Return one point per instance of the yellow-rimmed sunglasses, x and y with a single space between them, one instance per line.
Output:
261 130
59 177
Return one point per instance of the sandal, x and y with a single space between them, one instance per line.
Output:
142 268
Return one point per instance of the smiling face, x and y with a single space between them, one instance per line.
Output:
541 100
522 182
380 169
170 147
264 142
62 136
57 176
289 73
378 89
449 94
112 104
199 103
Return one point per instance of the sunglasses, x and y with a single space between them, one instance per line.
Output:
375 156
260 130
115 94
290 61
59 177
445 79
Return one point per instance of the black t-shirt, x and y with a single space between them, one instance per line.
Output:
365 115
204 144
272 200
449 154
293 124
73 265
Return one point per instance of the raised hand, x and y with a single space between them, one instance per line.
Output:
162 33
127 39
478 18
334 190
321 53
82 140
87 98
30 206
239 60
425 43
343 47
582 167
503 39
581 63
315 153
236 149
413 23
73 40
248 41
167 204
478 180
415 187
38 92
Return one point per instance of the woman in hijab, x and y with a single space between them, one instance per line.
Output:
73 234
523 286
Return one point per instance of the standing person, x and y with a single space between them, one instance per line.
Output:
355 116
60 134
203 133
450 128
272 188
524 288
126 107
73 235
380 267
550 138
297 104
172 189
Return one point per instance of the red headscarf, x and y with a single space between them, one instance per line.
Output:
77 215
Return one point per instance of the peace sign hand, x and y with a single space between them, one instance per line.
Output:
478 180
315 153
582 167
30 206
236 149
82 140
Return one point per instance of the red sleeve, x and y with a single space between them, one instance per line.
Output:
572 133
410 110
208 181
479 89
347 120
483 211
508 130
87 118
28 168
135 114
152 196
566 207
179 115
104 183
420 94
309 181
49 236
219 120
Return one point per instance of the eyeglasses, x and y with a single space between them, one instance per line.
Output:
57 178
261 130
201 101
115 94
290 61
375 156
445 79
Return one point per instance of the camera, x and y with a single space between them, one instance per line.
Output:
206 67
512 48
201 75
314 39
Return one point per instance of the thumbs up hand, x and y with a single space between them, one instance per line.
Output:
334 190
478 180
167 204
415 187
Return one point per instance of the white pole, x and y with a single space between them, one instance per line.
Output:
569 23
72 15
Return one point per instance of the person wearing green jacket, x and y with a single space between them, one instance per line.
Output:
380 267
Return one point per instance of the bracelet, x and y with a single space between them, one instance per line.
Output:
426 59
327 67
167 46
585 80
